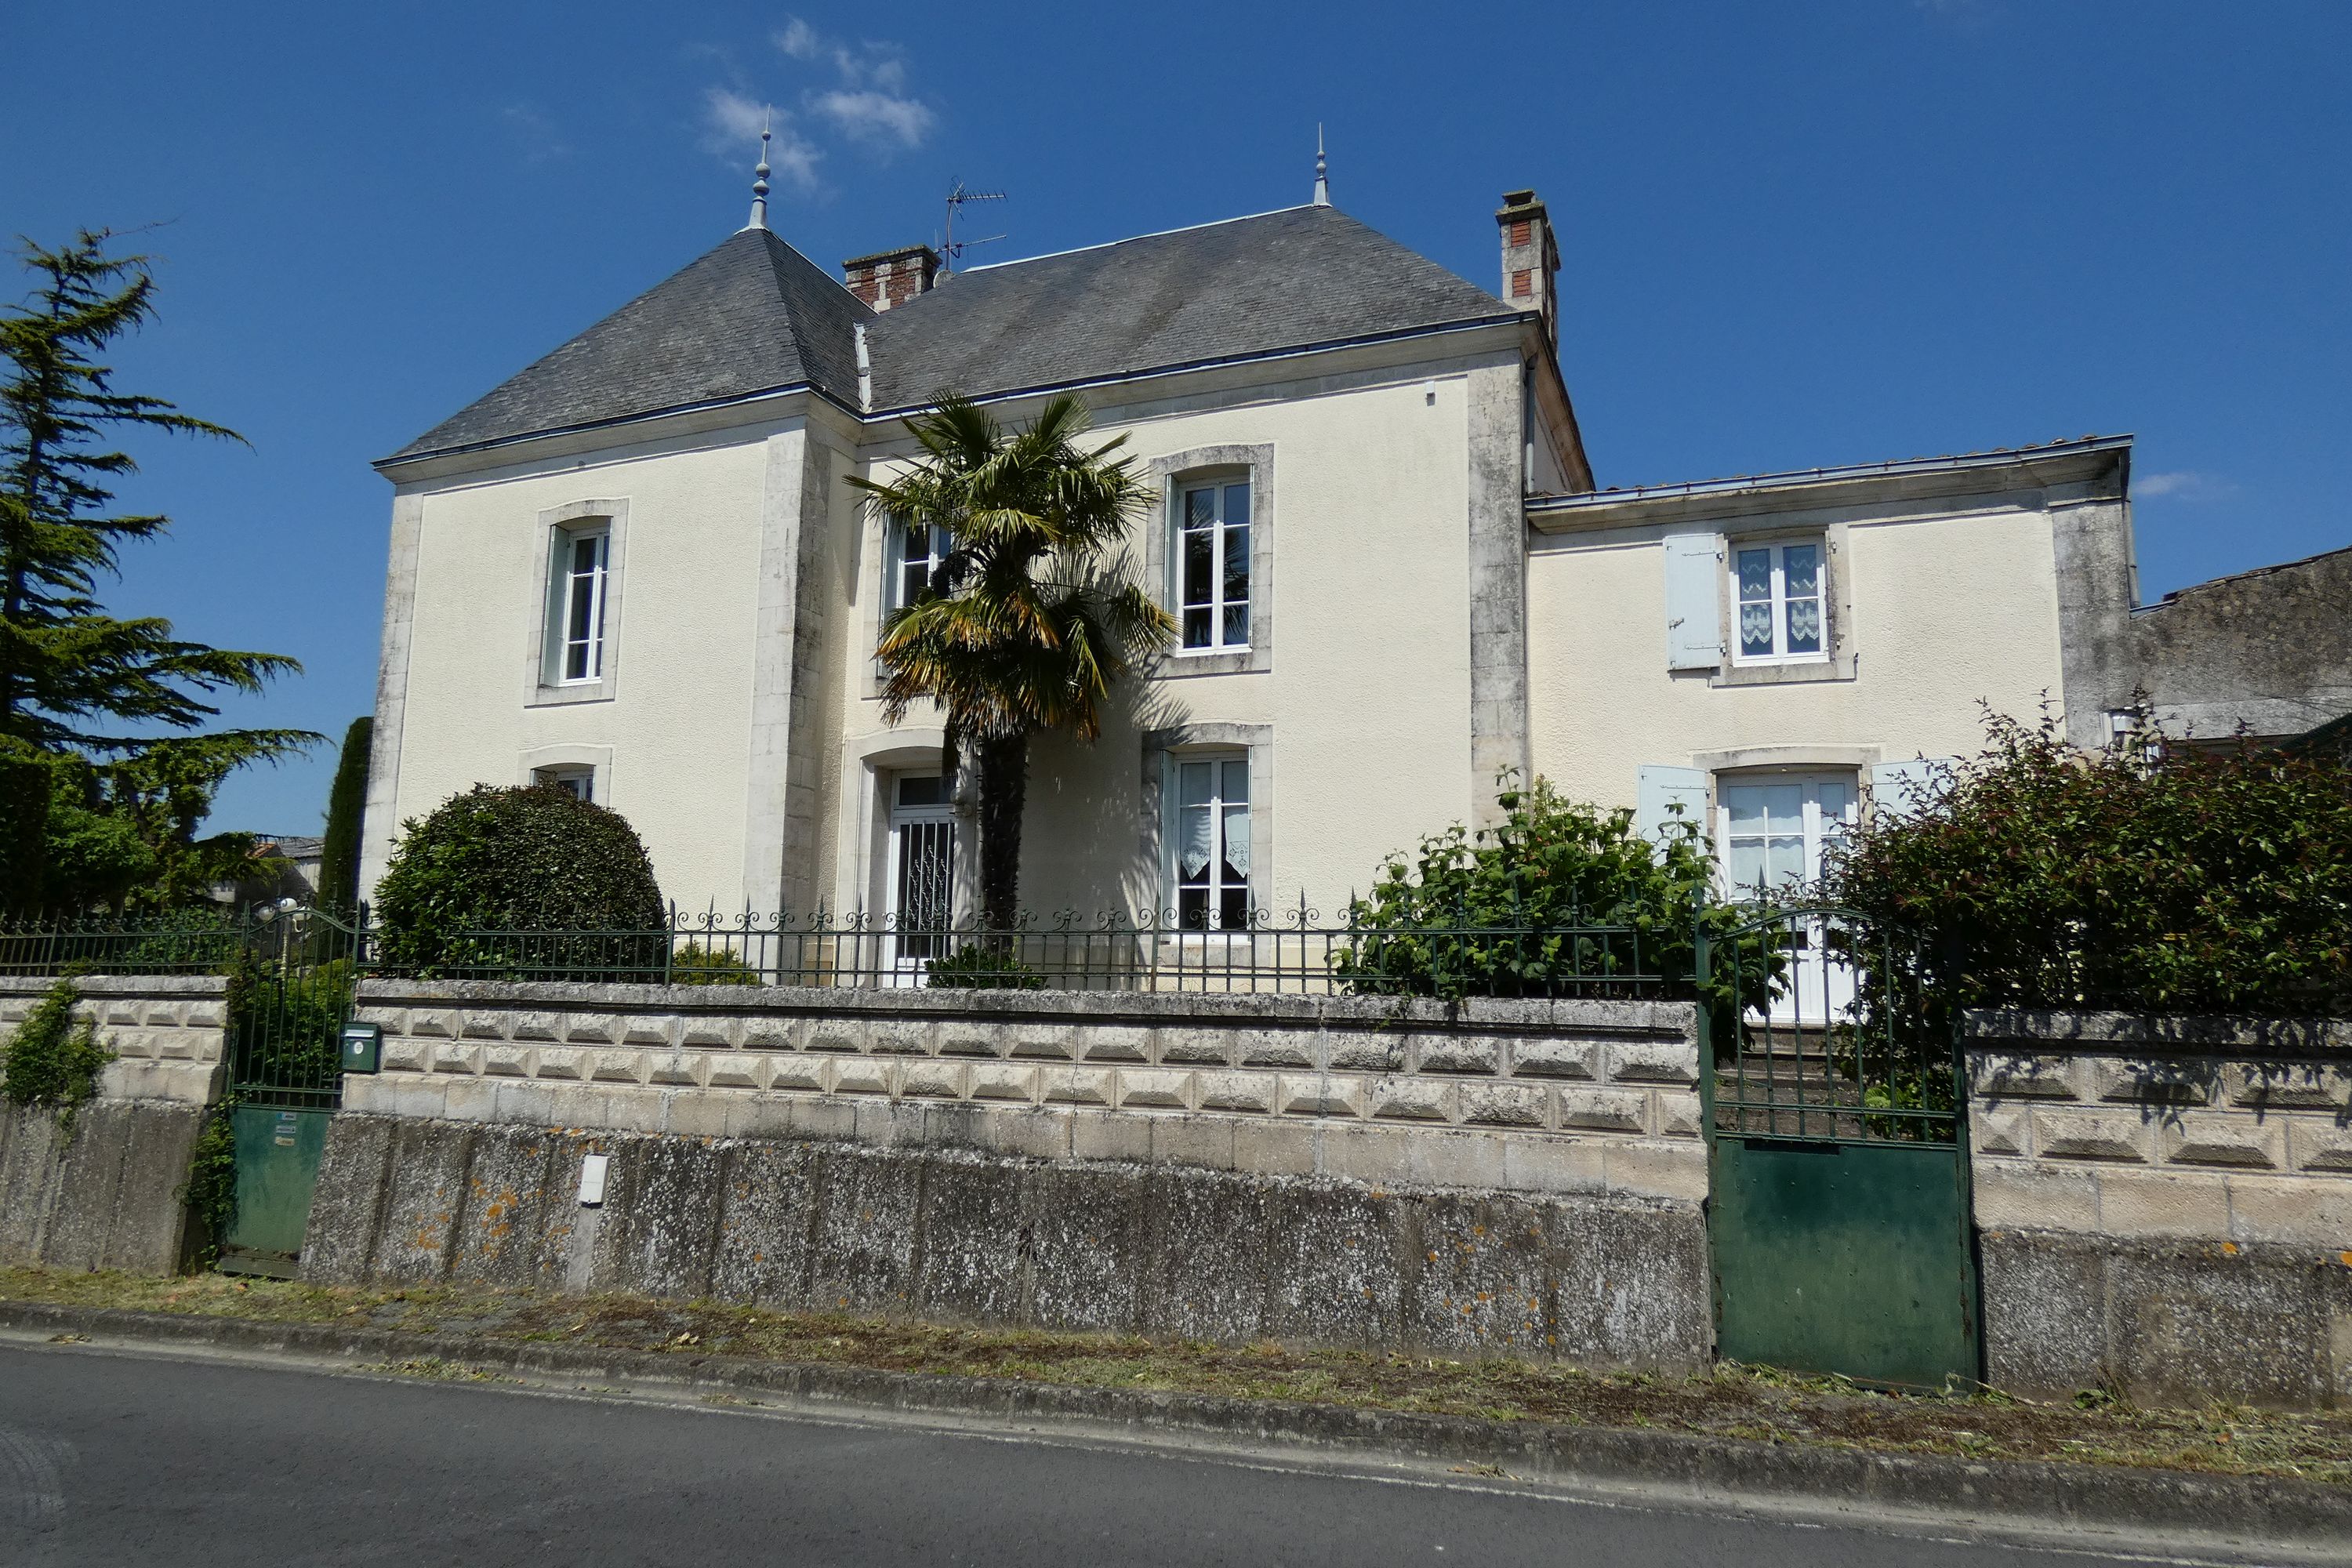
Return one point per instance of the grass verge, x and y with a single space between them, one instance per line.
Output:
1754 1402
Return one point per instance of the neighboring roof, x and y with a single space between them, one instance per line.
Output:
1302 278
1962 462
751 316
755 315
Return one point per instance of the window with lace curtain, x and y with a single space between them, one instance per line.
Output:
1209 841
1779 591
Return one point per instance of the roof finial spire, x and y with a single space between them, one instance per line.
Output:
1322 183
759 182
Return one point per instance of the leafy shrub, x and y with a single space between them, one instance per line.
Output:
51 1060
495 862
1510 910
695 964
977 968
2187 882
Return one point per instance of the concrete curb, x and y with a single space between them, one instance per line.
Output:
2240 1509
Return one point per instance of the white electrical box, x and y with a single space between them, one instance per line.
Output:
592 1180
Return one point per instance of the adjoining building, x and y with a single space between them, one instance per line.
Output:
637 570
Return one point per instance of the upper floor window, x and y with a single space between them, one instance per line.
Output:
1212 851
1779 589
918 551
579 587
1214 565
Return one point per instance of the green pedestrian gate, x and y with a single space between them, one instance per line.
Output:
289 992
1838 1215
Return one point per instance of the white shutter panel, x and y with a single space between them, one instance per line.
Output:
1659 789
1901 789
1693 601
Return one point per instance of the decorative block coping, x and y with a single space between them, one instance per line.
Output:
168 1032
2222 1130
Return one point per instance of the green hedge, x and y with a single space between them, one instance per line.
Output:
2132 878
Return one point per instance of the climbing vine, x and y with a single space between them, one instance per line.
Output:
210 1191
53 1061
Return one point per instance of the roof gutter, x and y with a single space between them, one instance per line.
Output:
385 465
1797 478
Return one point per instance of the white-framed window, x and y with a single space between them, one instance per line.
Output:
579 583
1775 833
1212 565
579 782
1781 601
916 552
1208 858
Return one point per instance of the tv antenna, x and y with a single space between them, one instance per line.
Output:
950 247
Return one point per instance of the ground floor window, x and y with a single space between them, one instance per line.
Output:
1210 862
579 782
1773 834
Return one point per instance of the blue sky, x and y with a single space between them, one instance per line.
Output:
1793 235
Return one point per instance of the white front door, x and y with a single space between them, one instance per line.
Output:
1772 834
921 875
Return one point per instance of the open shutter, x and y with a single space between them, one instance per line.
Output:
1901 789
1693 601
1659 790
550 642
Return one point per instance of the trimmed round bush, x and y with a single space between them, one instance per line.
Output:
530 883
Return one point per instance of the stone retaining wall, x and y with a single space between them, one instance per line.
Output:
1560 1097
2164 1206
1519 1175
106 1194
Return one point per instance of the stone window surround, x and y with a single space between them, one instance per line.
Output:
1159 745
1842 663
869 764
597 759
614 515
1171 474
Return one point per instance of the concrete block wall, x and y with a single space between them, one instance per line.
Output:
1520 1096
106 1195
2164 1206
1498 1176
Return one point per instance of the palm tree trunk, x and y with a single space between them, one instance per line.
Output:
1003 765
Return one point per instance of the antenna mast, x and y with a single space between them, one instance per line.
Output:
950 247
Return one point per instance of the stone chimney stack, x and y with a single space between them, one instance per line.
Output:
890 278
1530 260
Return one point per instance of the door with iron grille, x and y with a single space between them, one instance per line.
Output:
922 876
1838 1217
289 994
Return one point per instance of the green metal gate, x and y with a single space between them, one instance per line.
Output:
1838 1215
290 990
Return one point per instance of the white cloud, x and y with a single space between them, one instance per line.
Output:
731 125
875 117
537 138
2182 484
799 40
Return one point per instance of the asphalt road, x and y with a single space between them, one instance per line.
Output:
110 1458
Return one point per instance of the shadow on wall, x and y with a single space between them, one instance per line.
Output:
1085 844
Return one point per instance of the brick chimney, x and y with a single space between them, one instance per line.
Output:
890 278
1530 260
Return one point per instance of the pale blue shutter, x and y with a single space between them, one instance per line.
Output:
1902 789
1658 790
1693 601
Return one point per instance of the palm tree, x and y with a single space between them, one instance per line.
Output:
1031 616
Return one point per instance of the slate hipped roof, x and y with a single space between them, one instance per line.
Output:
755 315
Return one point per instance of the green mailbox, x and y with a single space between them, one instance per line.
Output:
363 1046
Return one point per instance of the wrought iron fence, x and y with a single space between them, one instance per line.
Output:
1067 951
1150 950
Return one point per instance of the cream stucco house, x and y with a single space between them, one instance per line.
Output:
637 569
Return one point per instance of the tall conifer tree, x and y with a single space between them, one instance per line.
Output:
95 710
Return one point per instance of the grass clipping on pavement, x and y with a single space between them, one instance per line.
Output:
1754 1403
